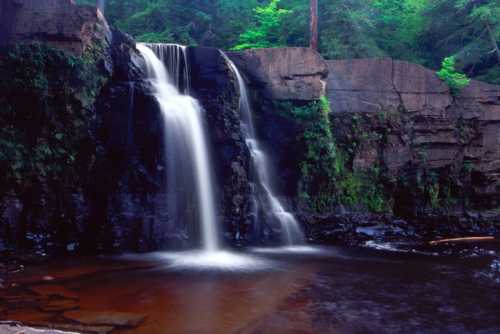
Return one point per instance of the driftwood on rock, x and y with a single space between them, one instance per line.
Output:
461 240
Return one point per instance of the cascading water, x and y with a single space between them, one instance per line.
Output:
189 180
100 4
292 233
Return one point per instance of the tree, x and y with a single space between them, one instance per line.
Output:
397 25
267 32
454 79
469 30
487 15
314 25
347 29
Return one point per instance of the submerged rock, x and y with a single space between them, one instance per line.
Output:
16 328
95 318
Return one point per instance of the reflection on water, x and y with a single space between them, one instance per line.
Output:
216 260
293 250
328 290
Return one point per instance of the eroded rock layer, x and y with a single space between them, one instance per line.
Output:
402 116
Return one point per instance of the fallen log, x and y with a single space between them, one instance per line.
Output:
460 240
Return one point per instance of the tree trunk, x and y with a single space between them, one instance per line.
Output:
493 42
314 25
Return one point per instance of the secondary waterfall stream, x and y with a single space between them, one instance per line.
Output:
189 177
291 231
188 164
190 192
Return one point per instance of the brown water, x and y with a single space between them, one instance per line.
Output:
335 291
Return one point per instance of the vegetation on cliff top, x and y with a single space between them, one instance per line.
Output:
421 31
448 73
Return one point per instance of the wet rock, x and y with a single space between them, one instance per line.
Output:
59 305
387 232
120 319
53 290
73 328
215 86
16 328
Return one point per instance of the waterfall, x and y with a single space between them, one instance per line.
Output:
291 231
189 179
100 4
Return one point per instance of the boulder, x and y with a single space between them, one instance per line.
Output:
284 73
97 318
15 328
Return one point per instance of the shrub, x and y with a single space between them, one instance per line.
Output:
454 79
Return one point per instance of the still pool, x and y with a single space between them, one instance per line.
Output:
289 290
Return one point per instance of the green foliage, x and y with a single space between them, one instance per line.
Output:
268 29
421 31
398 25
468 30
319 166
346 30
455 80
363 188
326 180
44 95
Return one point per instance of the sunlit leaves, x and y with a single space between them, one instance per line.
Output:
454 79
267 31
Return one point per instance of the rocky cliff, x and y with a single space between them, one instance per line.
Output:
60 23
284 73
399 144
401 117
112 195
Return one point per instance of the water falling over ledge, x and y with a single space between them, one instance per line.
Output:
188 165
291 232
189 176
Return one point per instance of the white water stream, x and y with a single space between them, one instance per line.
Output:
292 233
188 157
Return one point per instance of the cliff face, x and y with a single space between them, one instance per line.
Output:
284 73
279 79
60 23
115 198
402 117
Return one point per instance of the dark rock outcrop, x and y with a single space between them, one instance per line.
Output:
215 87
60 23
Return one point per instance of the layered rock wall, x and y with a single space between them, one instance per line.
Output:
401 116
284 73
58 22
